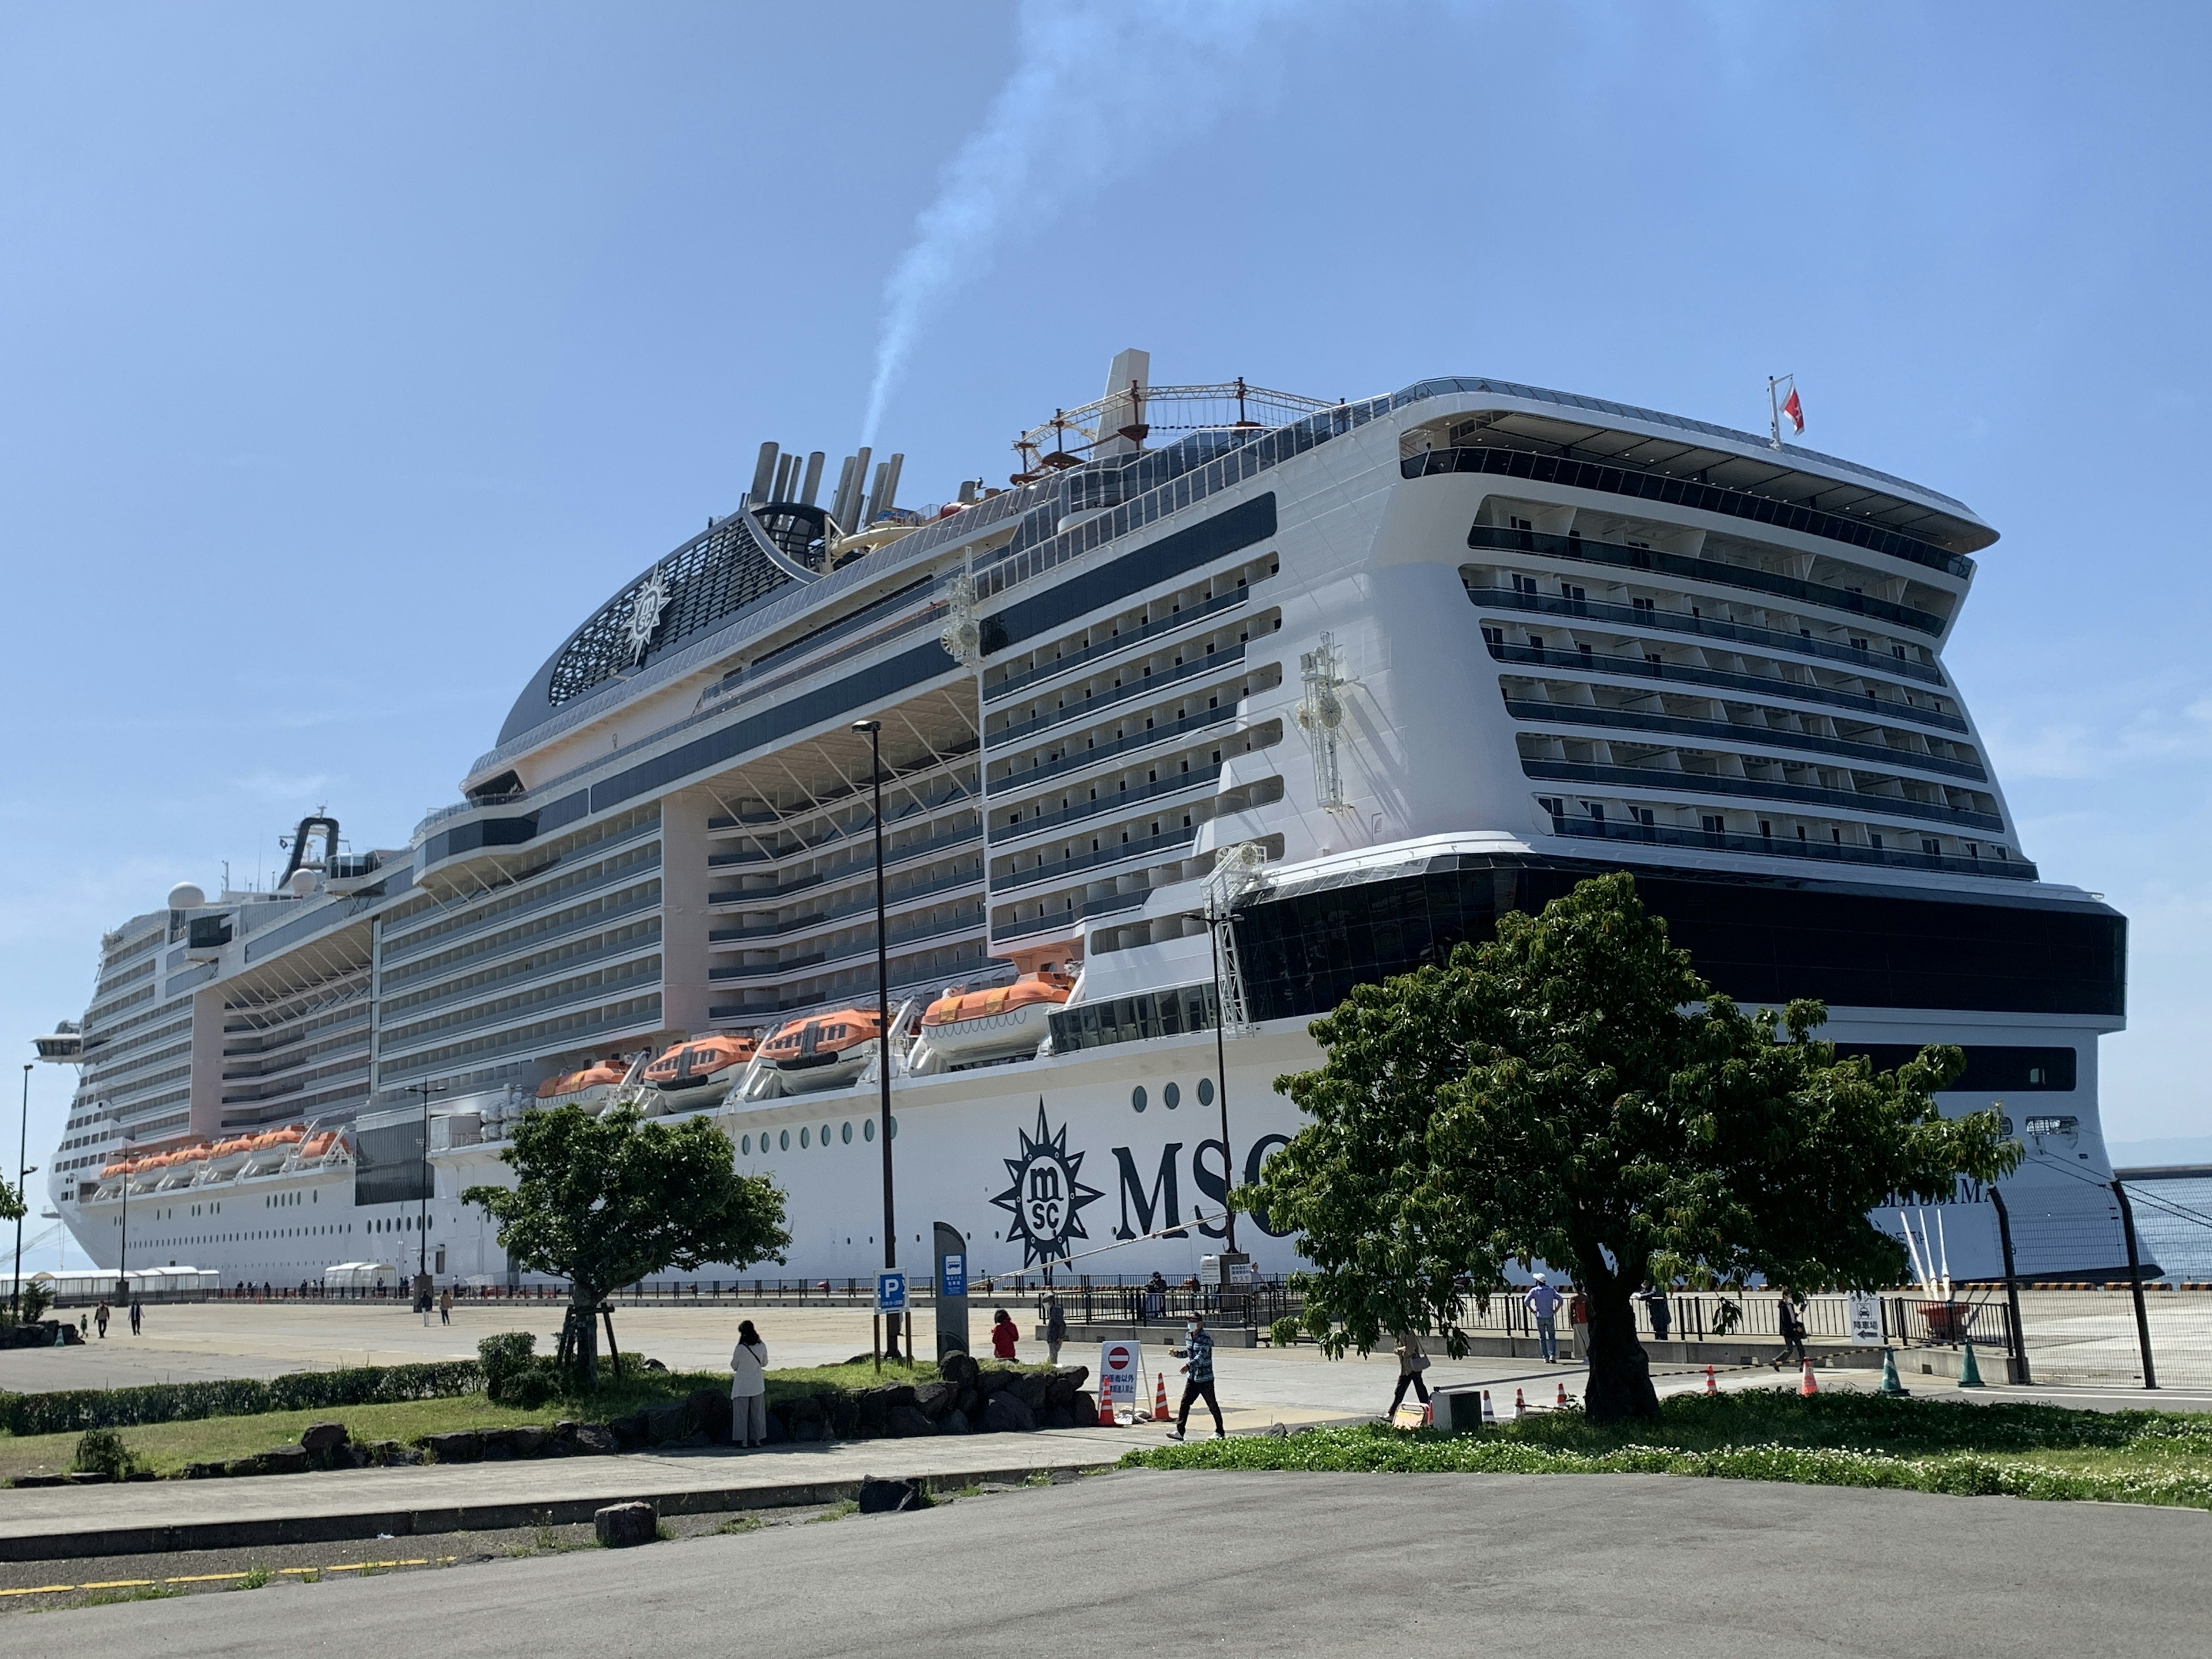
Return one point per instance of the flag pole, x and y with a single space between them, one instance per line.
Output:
1773 413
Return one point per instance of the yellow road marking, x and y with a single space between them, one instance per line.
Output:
218 1578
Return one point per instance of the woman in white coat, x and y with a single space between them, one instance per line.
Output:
749 1388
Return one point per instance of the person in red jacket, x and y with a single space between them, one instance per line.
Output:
1004 1334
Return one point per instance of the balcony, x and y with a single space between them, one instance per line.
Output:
1174 783
1014 880
1227 657
2006 869
1159 628
1699 783
1077 760
1627 720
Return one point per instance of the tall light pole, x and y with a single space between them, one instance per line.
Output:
1213 926
123 1250
422 1219
875 731
22 1190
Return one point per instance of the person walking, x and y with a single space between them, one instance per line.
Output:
1793 1333
1662 1316
1413 1360
749 1388
1055 1329
1578 1323
446 1306
1197 1356
1004 1334
100 1316
136 1317
1543 1302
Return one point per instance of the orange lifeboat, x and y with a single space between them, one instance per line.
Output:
588 1087
317 1144
965 1028
821 1051
701 1072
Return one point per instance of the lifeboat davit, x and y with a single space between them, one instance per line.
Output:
818 1051
701 1071
588 1088
965 1027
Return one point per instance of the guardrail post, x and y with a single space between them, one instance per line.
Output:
2135 1283
2019 1331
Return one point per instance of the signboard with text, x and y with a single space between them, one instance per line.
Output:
1862 1318
1120 1367
890 1292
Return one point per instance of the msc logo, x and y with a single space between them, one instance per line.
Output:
1045 1199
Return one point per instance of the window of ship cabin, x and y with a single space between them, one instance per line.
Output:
1535 641
1596 812
1524 527
1645 606
1712 823
1568 591
1524 584
1493 635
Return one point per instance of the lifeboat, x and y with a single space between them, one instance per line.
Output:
821 1051
225 1156
266 1153
316 1146
180 1168
588 1088
701 1072
965 1028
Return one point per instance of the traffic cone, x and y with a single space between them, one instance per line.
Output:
1105 1403
1160 1397
1520 1406
1560 1404
1712 1387
1889 1382
1970 1374
1807 1388
1489 1411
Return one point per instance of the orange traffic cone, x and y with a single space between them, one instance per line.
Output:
1105 1403
1489 1411
1520 1406
1807 1388
1712 1387
1160 1397
1560 1404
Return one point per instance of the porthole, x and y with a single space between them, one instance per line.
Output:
848 1134
825 1134
802 1139
867 1128
1205 1091
1137 1101
1171 1096
783 1141
748 1147
894 1128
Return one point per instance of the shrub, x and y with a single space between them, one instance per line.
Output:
102 1451
38 1297
77 1409
503 1358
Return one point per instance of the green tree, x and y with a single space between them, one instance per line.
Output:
1573 1092
605 1201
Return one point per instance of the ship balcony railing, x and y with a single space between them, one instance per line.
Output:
861 842
609 1024
1093 707
939 786
972 923
1704 783
401 1040
1630 720
969 965
406 947
852 868
862 906
1103 650
492 953
1061 922
397 1011
1014 881
1711 628
1175 783
1078 760
1714 572
1618 480
1627 665
1789 846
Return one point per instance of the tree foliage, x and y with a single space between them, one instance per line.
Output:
605 1202
1572 1093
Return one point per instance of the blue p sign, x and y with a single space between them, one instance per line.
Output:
890 1292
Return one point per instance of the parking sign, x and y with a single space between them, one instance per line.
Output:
890 1292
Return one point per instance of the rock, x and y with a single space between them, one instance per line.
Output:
1059 1387
934 1399
907 1421
592 1440
192 1472
1004 1413
1030 1386
398 1456
286 1460
990 1382
666 1423
63 1479
244 1466
1077 1375
629 1432
1056 1417
808 1428
462 1446
956 1422
971 1401
709 1410
1085 1410
957 1368
620 1526
88 1477
526 1439
142 1474
845 1417
890 1497
323 1437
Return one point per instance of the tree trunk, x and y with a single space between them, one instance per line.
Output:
584 1325
1620 1386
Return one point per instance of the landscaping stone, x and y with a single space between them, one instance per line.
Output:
462 1446
956 1422
1085 1409
526 1439
907 1422
629 1432
59 1480
990 1382
666 1423
934 1399
1032 1386
244 1466
958 1368
1057 1417
1004 1413
592 1440
324 1437
890 1497
621 1526
90 1476
286 1460
195 1472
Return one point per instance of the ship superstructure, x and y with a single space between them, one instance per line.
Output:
1230 700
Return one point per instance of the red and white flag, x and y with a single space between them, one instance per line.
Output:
1794 410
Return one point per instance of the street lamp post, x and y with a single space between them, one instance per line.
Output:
875 730
1221 1086
22 1190
422 1218
123 1250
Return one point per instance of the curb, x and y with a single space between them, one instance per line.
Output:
407 1524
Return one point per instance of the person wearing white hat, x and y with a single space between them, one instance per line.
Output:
1544 1302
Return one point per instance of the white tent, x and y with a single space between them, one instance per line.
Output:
361 1275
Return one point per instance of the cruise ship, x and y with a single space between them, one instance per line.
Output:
1228 700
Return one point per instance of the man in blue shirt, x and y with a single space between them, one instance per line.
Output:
1544 1302
1197 1355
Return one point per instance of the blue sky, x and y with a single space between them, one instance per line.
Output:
349 356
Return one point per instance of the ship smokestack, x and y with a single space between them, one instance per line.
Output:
764 474
813 485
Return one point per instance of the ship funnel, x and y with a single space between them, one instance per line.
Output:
841 502
884 496
764 474
1121 425
813 487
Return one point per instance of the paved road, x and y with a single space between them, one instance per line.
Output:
1283 1566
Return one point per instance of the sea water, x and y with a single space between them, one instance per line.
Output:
2173 1223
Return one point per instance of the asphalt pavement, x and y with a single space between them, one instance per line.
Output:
1148 1562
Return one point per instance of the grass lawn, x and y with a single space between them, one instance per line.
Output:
1833 1439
